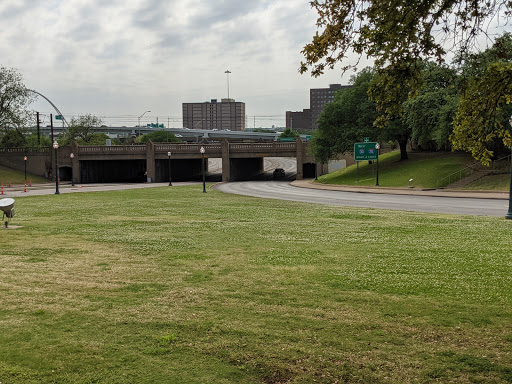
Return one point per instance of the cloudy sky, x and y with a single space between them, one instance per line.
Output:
119 58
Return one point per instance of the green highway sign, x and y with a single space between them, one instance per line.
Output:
366 151
58 117
287 139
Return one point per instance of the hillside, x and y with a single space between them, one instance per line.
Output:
426 169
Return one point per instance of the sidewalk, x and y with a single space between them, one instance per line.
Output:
309 183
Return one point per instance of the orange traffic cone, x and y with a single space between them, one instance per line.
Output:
25 186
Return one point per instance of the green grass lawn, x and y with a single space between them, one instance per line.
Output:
498 182
425 168
170 285
9 175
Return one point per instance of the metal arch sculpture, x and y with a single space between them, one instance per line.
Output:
53 105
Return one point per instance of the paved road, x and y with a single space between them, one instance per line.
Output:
406 202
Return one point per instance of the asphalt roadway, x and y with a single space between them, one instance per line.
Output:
405 199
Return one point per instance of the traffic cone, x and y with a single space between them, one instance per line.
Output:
25 186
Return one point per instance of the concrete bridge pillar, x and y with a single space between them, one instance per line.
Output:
300 159
75 163
150 161
226 165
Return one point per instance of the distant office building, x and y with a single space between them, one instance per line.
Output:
298 120
318 97
226 115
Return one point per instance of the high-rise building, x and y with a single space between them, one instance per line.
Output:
318 97
226 115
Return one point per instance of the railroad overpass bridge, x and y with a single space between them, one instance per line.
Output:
150 162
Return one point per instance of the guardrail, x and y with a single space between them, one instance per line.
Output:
111 148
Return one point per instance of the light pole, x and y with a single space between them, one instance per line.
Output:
56 147
508 216
170 179
227 75
200 121
72 156
25 161
202 168
377 147
140 117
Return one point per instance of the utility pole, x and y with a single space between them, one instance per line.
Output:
51 126
38 129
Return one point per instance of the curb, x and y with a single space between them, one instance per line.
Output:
309 183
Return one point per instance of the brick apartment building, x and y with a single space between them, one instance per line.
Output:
226 115
318 97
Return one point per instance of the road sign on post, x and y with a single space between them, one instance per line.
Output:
365 151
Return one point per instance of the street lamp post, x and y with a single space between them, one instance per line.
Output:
227 74
72 156
25 161
509 213
140 117
377 147
56 147
170 178
200 121
202 168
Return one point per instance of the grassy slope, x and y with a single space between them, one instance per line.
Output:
425 168
173 285
17 177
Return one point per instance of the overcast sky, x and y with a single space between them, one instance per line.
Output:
119 58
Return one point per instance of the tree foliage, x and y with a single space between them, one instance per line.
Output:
15 99
13 138
159 137
482 117
83 129
482 122
398 35
289 133
430 114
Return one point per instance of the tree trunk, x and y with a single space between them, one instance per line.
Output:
403 149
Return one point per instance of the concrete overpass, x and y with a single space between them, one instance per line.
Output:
150 162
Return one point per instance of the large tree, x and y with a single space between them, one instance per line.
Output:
396 35
15 99
482 123
430 114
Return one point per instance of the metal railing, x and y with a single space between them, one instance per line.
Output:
470 170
